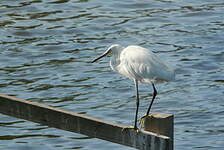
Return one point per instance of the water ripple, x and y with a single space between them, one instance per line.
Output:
46 47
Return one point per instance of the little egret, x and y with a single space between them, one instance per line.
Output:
140 65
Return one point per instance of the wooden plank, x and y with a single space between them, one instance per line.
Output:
161 124
74 122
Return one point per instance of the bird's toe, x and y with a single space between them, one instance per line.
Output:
130 128
142 120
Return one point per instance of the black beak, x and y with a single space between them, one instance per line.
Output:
101 56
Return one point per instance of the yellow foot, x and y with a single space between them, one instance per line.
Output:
130 128
142 120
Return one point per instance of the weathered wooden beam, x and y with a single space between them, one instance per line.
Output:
78 123
159 123
162 124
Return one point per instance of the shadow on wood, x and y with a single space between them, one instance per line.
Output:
74 122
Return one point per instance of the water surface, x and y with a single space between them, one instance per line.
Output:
45 48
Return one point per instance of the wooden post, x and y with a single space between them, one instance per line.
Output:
162 124
78 123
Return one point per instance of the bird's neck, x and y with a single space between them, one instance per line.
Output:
115 61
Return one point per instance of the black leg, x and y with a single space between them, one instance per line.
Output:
153 97
137 104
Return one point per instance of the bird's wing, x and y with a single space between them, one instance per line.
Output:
143 65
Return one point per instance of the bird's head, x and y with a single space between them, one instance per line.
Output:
113 49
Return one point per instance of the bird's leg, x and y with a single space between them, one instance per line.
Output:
137 104
136 114
153 97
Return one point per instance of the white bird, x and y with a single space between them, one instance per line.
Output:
140 65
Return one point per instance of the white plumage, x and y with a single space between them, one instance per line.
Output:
136 62
140 65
